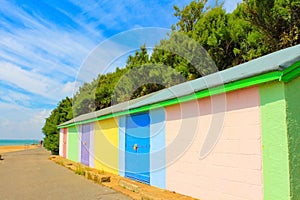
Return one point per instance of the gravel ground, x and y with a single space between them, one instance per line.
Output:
30 175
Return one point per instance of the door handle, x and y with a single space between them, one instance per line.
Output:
135 147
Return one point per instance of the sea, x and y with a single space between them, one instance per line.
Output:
18 142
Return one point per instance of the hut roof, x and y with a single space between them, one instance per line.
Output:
282 65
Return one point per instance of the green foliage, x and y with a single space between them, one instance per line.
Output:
189 15
105 87
184 55
139 58
145 79
83 100
59 115
80 171
247 42
277 20
213 33
253 29
97 94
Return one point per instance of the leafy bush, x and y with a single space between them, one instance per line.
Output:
59 115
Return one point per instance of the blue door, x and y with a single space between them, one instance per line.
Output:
137 147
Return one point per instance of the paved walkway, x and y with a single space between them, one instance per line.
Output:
30 175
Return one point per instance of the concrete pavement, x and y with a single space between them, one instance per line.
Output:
30 175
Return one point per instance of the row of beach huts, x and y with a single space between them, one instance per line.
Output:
238 138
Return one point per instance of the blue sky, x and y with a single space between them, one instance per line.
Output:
44 43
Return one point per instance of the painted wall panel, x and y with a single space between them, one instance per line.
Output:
157 148
92 146
182 128
293 127
73 143
137 120
61 142
233 169
274 140
137 146
79 129
65 141
106 145
85 144
122 124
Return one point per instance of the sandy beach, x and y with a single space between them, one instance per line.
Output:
5 149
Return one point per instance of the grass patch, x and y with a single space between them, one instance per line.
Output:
89 176
80 171
60 163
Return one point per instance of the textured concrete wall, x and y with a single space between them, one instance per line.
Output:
106 145
233 169
274 140
92 146
73 140
122 125
157 148
79 129
65 142
292 95
61 142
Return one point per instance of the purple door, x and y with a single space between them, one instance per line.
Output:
85 144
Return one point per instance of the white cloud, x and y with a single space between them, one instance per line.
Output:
52 48
39 117
12 97
27 80
41 58
18 122
54 51
70 88
116 15
105 56
5 123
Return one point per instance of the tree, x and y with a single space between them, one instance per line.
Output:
59 115
143 80
277 20
106 86
189 15
212 32
255 28
84 99
139 58
247 41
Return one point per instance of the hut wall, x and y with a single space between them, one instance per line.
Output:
233 168
86 144
121 134
292 96
73 140
61 142
157 148
106 145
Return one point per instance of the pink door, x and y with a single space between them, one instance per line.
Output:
65 132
